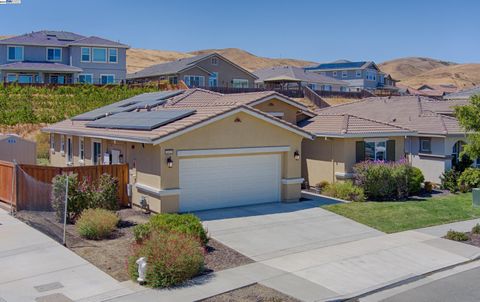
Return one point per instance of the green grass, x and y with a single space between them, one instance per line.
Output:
391 217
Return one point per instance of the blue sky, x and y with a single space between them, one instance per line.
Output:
311 30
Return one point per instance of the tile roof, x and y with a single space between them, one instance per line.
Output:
420 114
463 94
58 38
205 108
294 73
39 66
345 125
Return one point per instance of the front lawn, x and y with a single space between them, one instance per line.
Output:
391 217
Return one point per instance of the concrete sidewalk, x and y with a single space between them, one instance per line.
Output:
441 230
34 267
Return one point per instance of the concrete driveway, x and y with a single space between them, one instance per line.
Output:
325 256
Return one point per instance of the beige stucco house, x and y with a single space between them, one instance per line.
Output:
193 150
342 140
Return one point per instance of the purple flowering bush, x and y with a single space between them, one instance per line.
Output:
387 180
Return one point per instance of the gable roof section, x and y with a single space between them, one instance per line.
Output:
40 66
341 65
420 114
347 125
463 94
179 66
59 39
292 73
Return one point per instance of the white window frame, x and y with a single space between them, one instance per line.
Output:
11 74
86 74
107 75
171 80
15 46
201 80
99 159
116 55
62 144
81 149
425 150
69 151
344 73
334 73
358 73
240 81
213 78
53 48
89 55
214 61
52 141
93 57
376 142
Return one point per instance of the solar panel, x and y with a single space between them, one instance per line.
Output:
146 100
144 120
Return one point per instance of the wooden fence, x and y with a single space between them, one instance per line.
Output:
28 191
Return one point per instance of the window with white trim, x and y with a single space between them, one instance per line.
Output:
12 77
99 55
112 55
358 73
52 141
81 149
194 81
62 143
214 61
107 79
344 74
86 51
376 150
85 78
425 145
54 54
96 152
334 73
69 150
240 83
15 53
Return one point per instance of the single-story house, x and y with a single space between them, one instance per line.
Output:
193 150
342 140
18 149
205 70
291 77
438 140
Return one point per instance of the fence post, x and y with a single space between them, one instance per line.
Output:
14 189
65 212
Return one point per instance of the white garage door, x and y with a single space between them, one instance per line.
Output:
219 182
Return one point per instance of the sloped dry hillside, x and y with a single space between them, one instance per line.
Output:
406 68
138 59
461 75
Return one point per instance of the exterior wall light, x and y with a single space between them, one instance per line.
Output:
296 155
169 162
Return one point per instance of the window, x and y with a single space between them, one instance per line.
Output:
15 53
327 87
11 77
213 80
81 149
376 150
173 80
344 74
85 54
85 78
343 89
312 86
99 55
239 83
334 73
54 54
456 151
194 81
425 145
52 141
57 79
62 143
358 73
96 152
214 61
25 78
107 79
112 55
69 151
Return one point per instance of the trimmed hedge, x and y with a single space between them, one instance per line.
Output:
344 190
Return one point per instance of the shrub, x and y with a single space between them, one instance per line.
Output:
322 185
415 180
183 223
345 190
449 180
104 194
469 179
476 229
96 223
387 180
172 258
457 236
77 200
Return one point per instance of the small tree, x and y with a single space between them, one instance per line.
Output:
469 118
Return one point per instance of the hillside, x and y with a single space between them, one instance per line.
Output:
406 68
461 75
140 58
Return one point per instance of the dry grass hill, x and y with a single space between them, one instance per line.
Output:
140 58
415 72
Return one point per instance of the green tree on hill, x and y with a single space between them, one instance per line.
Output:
469 118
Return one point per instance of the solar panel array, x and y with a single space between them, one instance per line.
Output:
142 101
338 65
143 120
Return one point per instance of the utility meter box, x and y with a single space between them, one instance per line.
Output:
476 197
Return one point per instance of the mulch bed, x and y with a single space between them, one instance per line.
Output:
111 255
252 293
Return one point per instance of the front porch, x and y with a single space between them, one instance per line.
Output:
39 73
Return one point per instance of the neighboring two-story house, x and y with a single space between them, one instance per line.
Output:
59 57
206 70
359 75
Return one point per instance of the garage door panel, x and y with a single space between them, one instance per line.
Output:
216 182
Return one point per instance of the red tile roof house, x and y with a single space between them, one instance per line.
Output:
437 139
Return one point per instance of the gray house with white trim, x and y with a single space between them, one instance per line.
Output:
59 57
